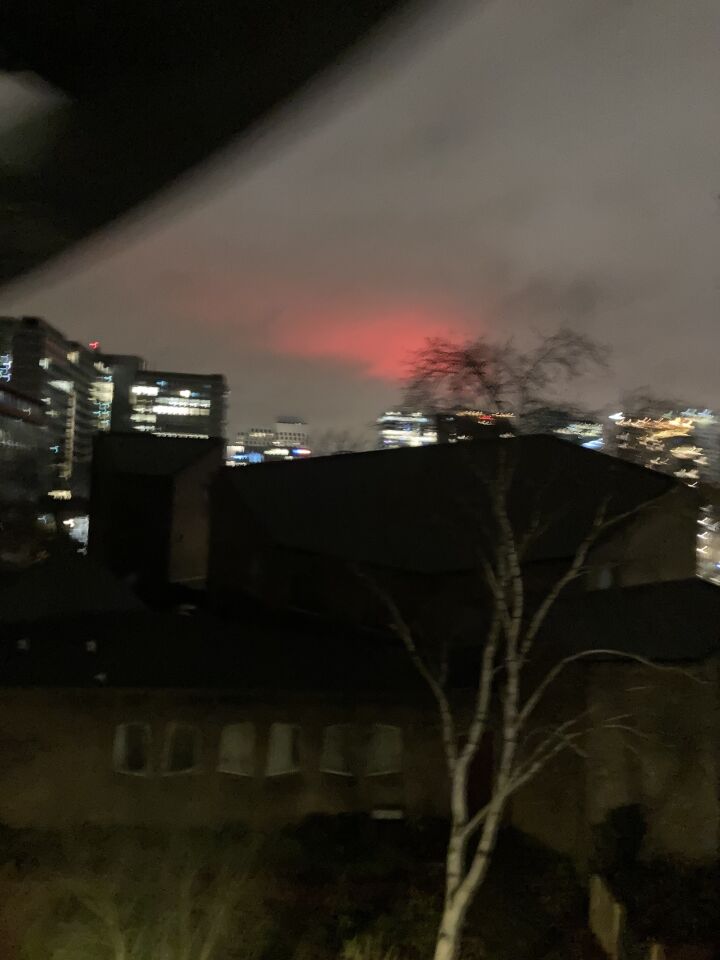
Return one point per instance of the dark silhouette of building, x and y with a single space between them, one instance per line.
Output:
149 506
115 715
294 534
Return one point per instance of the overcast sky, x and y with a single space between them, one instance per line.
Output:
502 167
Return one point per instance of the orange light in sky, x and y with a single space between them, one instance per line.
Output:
379 342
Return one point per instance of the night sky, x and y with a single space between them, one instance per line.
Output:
500 168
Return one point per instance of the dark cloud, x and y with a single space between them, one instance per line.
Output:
517 165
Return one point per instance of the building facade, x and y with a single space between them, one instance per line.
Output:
60 375
178 405
291 432
287 440
123 369
23 448
685 444
171 722
398 428
149 506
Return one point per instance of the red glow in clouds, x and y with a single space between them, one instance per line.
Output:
379 342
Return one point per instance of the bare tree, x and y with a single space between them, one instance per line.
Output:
509 687
643 403
498 376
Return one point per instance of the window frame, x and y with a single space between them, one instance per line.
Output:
352 736
170 731
295 727
376 727
120 729
248 724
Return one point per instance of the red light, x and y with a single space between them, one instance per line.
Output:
94 344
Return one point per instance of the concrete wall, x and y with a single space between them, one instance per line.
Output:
189 533
130 519
668 762
670 766
657 544
56 762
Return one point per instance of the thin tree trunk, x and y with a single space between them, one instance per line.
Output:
449 939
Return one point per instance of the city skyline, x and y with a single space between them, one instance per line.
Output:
470 179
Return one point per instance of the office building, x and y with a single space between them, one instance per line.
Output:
23 448
398 428
123 369
287 440
291 432
38 361
685 444
178 405
102 395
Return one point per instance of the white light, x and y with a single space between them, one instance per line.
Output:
180 411
615 416
144 391
184 393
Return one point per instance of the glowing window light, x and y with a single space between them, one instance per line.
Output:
178 411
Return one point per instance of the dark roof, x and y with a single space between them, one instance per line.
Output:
271 654
68 586
267 653
280 655
424 509
144 454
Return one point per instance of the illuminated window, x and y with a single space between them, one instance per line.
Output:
182 748
131 750
237 750
143 391
73 356
338 754
283 750
384 753
44 362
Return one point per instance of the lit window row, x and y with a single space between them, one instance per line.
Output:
185 411
184 401
347 750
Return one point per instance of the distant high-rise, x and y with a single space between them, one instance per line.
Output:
23 448
399 428
123 370
291 432
39 362
685 444
287 440
178 405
